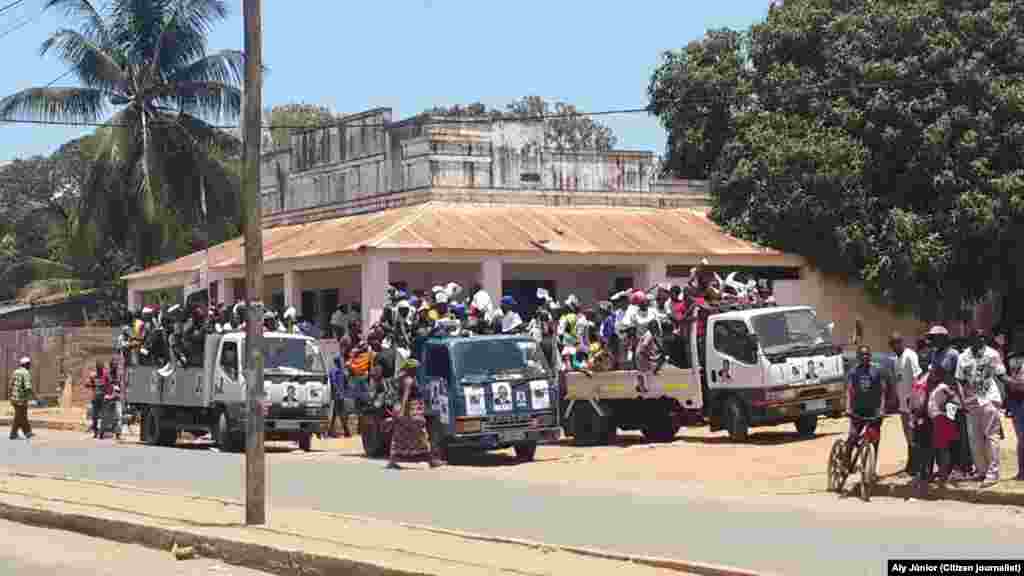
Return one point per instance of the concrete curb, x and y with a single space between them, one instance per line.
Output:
166 538
255 556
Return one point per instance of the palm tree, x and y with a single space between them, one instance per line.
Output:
144 65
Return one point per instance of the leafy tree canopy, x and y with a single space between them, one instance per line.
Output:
144 67
286 117
568 130
879 138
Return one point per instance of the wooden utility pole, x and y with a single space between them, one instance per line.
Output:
252 133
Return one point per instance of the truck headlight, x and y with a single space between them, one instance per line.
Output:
468 426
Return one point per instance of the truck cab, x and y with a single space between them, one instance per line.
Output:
484 393
767 366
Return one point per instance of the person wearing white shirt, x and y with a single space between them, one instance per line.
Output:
979 373
907 371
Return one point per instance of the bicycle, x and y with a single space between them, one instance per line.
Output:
860 458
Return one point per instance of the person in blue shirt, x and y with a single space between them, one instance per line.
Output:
338 409
865 396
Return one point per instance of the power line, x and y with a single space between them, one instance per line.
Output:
11 5
20 25
357 125
428 119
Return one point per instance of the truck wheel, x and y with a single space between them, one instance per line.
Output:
526 452
806 425
227 440
157 431
306 442
588 428
661 429
736 420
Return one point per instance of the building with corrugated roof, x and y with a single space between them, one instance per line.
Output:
367 202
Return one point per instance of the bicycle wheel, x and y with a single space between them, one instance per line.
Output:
868 471
836 467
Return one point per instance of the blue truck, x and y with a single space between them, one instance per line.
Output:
482 393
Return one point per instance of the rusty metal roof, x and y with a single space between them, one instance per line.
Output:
511 228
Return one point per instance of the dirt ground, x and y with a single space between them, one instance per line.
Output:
775 460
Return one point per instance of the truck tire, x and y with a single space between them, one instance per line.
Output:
306 442
526 452
227 440
160 433
736 419
588 427
662 428
806 425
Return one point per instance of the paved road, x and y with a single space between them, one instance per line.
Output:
809 534
30 551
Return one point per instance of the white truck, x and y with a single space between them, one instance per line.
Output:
759 366
211 399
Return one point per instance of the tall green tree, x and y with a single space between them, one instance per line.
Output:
284 118
882 139
144 66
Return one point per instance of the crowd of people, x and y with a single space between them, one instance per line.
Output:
639 329
949 401
159 335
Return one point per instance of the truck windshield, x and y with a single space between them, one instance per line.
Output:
789 330
481 359
292 355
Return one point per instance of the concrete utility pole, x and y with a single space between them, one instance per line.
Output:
255 463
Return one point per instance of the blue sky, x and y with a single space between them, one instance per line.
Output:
413 54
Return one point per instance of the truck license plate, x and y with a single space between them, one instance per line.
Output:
814 405
286 425
512 436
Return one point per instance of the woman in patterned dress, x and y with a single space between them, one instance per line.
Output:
410 441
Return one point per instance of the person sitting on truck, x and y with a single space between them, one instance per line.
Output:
511 321
289 324
865 397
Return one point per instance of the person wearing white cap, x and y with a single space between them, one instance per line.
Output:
942 363
21 394
289 325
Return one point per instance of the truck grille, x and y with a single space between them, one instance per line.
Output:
509 421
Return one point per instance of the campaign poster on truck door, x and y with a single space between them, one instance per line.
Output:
474 401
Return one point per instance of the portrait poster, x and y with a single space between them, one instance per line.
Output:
474 401
502 395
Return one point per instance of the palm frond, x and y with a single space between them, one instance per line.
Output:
223 67
183 34
205 99
136 25
93 65
92 24
206 138
60 104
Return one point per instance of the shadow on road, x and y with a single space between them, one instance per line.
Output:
767 438
206 445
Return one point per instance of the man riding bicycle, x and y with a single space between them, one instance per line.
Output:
865 398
